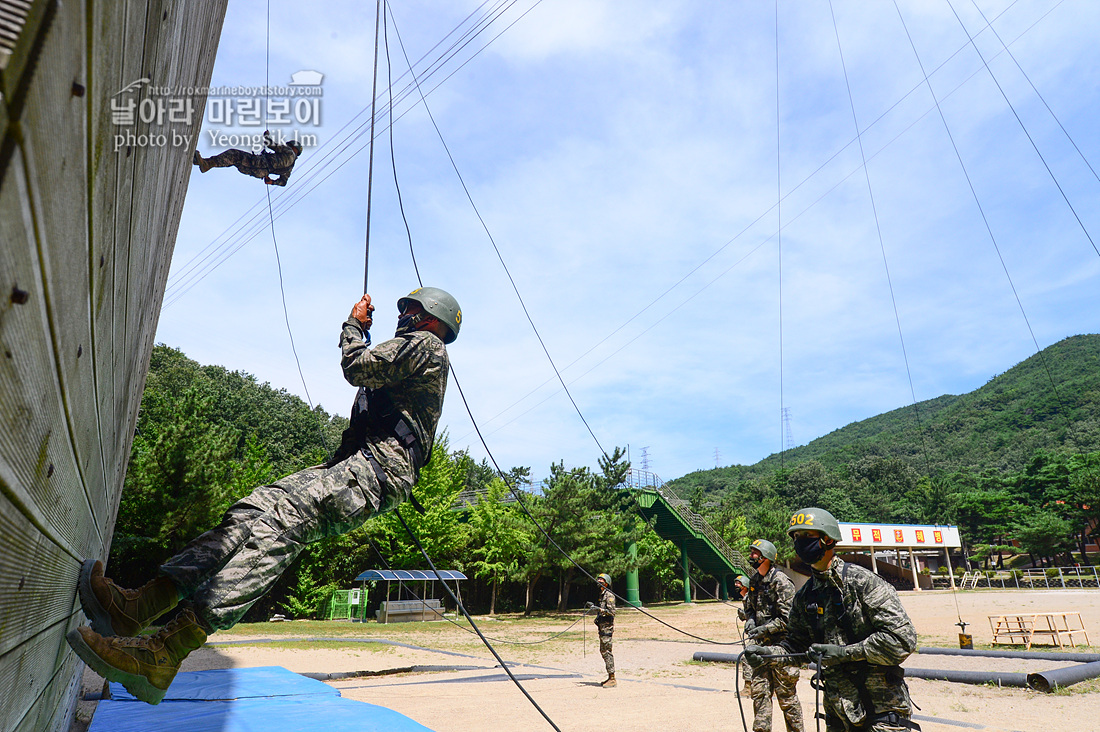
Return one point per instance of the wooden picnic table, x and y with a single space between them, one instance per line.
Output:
1025 628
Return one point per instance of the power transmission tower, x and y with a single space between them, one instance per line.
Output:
717 458
645 459
789 442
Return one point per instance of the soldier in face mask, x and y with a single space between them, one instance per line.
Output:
767 605
216 578
853 621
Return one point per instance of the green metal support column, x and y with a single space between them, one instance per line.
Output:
686 564
633 595
725 593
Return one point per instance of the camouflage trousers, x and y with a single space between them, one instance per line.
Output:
227 569
849 686
605 632
254 164
782 681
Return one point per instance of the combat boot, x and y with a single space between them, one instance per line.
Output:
145 665
200 161
609 681
113 610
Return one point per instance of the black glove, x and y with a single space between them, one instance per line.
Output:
589 605
740 613
829 654
753 634
754 655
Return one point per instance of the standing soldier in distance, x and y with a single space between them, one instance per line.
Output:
223 572
605 624
852 620
766 606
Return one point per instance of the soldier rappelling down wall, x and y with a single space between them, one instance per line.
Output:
279 162
219 575
767 604
853 621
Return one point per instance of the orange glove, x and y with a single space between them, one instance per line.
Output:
362 312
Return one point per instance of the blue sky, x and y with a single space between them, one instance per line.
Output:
624 157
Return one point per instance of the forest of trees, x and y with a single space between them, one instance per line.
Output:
206 436
1025 467
1049 506
1016 458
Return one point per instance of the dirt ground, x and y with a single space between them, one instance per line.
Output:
443 677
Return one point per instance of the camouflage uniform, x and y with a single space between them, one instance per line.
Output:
280 161
228 568
848 605
767 606
605 624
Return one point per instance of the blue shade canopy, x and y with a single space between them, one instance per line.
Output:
408 575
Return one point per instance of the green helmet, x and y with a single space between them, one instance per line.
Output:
605 578
439 304
815 519
765 547
743 580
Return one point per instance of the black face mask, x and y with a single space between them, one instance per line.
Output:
756 561
406 323
810 549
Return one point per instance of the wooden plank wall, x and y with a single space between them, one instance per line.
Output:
86 238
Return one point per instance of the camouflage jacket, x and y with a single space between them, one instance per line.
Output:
851 606
411 370
605 608
280 161
768 604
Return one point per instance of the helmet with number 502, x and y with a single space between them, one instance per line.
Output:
815 519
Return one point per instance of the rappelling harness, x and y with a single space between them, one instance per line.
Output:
374 415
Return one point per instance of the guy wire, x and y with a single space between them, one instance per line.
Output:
469 411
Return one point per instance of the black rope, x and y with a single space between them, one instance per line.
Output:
779 239
370 164
393 160
881 244
981 210
473 421
190 276
496 249
1022 125
463 628
193 271
462 608
275 244
1041 98
780 657
755 221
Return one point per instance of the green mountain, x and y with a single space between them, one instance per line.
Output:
1050 401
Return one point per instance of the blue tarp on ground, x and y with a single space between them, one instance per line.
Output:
268 699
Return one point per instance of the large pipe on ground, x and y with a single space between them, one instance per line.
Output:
1000 678
1051 680
1045 681
1033 655
716 657
965 677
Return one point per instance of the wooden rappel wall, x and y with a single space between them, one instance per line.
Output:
86 238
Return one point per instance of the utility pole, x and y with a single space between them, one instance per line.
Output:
789 442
